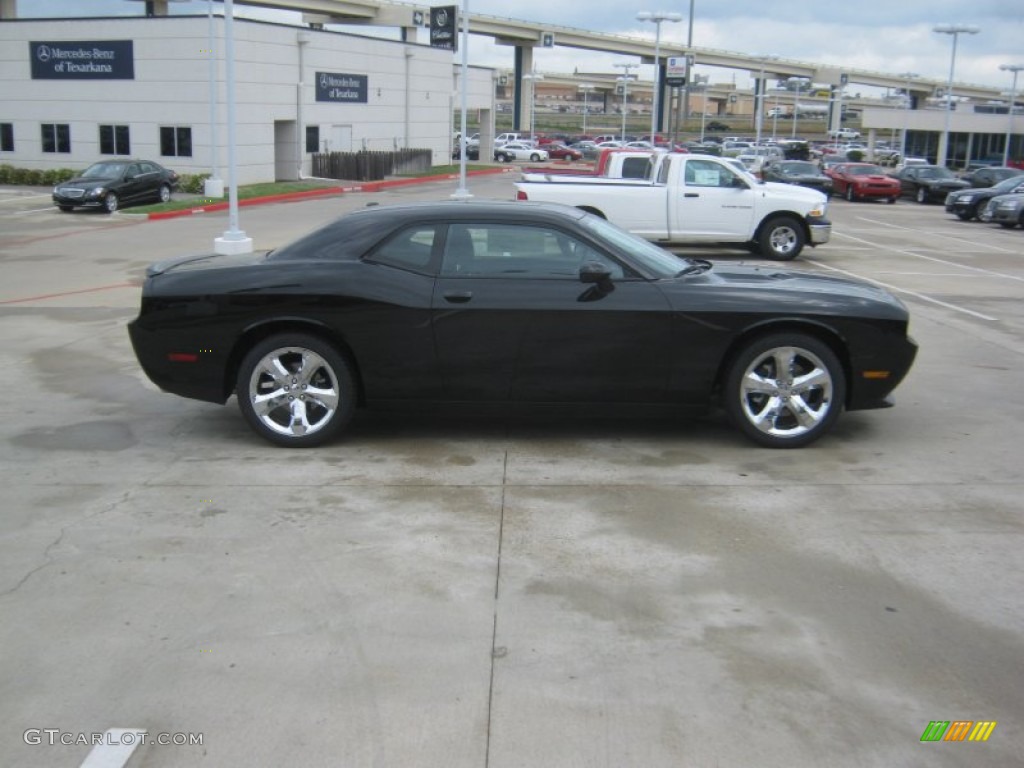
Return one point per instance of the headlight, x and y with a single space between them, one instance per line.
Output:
56 190
818 211
97 191
1010 205
963 198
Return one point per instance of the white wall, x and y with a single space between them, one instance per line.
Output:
171 87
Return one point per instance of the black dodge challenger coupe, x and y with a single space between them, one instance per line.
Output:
512 303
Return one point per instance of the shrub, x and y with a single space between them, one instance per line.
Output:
192 182
854 155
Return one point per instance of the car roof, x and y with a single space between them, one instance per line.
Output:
512 210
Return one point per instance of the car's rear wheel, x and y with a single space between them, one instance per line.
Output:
164 193
296 390
785 390
922 196
781 239
110 202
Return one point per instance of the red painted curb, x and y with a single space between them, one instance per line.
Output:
368 186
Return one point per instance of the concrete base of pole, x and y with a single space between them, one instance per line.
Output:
213 188
461 194
226 247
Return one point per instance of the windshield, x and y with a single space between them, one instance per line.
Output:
658 262
800 168
103 171
935 173
865 170
1006 185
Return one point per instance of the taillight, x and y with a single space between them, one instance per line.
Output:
520 195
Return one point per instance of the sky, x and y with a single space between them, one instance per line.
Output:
891 36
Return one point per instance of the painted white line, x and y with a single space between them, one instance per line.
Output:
905 252
114 752
23 197
938 234
915 294
34 210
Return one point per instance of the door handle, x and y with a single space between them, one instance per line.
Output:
690 194
458 297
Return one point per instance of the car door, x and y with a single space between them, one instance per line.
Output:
513 322
133 183
908 181
711 202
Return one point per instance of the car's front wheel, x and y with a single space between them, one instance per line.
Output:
922 195
785 390
110 202
781 239
535 158
849 193
296 390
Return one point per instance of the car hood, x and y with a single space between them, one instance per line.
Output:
809 196
91 181
953 183
738 288
205 261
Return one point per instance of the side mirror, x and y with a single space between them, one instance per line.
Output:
594 272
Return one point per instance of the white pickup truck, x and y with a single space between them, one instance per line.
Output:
698 199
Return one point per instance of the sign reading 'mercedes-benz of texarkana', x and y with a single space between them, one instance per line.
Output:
334 86
82 60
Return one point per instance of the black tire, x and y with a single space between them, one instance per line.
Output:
164 193
767 407
66 208
965 216
503 158
110 202
781 238
1008 224
849 193
922 195
314 364
891 201
535 158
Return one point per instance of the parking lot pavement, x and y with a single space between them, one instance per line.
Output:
470 591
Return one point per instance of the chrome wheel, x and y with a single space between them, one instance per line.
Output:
165 193
786 390
110 202
781 239
922 196
295 390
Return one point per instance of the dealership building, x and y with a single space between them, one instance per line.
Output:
74 91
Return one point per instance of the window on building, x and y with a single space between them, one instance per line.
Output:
312 138
114 140
175 141
56 137
6 137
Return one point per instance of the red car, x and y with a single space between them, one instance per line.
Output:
860 181
562 152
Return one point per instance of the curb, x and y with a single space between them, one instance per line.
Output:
286 197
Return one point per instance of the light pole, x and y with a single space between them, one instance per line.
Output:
657 17
908 76
586 88
624 79
1015 68
533 77
955 30
759 96
796 103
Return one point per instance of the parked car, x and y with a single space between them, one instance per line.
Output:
111 184
844 133
801 172
516 150
966 203
512 304
472 152
929 183
714 125
1005 210
588 149
988 175
861 181
557 151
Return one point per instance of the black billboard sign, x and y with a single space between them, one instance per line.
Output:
82 60
443 27
335 86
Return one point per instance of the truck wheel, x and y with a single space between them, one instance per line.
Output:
785 390
781 239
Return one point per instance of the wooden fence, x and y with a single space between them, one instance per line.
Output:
370 166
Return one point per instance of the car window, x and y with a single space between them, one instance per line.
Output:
514 251
149 168
133 170
702 173
411 249
636 167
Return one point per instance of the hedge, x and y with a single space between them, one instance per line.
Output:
188 182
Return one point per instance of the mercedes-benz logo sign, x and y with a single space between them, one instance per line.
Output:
43 53
441 19
323 81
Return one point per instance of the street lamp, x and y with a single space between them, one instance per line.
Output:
798 81
908 76
586 88
955 30
759 96
1015 68
533 78
657 17
624 79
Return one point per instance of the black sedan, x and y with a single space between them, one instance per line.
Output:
800 172
966 204
990 175
112 183
512 303
928 183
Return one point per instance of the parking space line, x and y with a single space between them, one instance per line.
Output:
113 752
34 210
937 234
896 289
19 198
1001 275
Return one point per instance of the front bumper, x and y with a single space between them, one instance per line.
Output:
86 200
819 231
